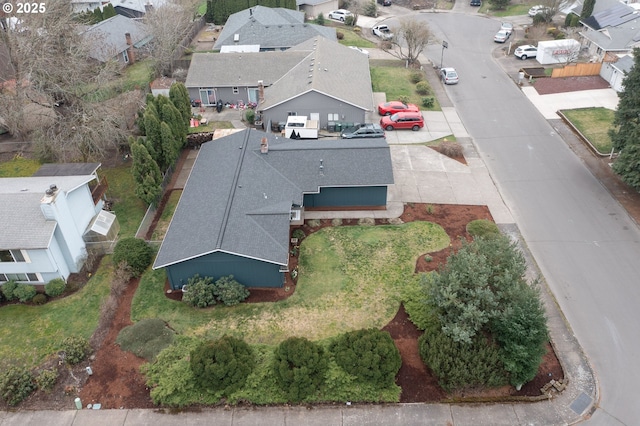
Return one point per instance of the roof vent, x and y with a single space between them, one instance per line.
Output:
53 187
236 37
49 192
264 146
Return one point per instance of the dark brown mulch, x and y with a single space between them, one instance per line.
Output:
546 86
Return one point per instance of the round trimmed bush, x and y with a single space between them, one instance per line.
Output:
76 349
369 354
8 290
482 228
136 253
416 77
222 365
200 292
47 379
25 292
229 291
423 88
16 384
39 299
299 366
55 287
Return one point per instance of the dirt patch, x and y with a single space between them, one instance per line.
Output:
546 86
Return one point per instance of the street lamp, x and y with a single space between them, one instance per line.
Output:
444 46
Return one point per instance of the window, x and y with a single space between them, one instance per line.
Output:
12 256
125 56
333 117
28 277
290 113
235 91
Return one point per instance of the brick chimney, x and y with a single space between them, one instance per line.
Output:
264 146
130 50
260 92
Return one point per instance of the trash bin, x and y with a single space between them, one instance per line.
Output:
331 126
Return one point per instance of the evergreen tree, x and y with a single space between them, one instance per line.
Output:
174 119
179 96
169 150
108 12
146 174
97 15
587 8
152 128
626 136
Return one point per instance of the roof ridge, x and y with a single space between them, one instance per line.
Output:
234 185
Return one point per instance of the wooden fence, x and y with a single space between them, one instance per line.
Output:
577 70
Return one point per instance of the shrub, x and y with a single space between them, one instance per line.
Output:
403 98
222 365
39 299
146 338
25 292
349 21
8 290
55 287
75 349
482 228
368 354
416 77
339 35
423 88
575 20
200 292
298 233
459 365
229 291
370 9
47 379
135 252
250 116
428 102
16 384
319 19
451 149
299 366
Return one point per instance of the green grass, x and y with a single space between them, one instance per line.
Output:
394 81
136 76
210 127
146 338
594 124
511 10
165 217
353 38
127 207
19 167
350 278
32 333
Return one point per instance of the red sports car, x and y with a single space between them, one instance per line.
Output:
392 107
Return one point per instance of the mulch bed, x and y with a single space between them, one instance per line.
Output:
547 86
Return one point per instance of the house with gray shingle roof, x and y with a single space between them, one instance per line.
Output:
611 32
615 72
269 28
119 38
45 221
244 191
318 78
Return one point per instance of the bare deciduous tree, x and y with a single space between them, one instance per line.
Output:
168 25
410 40
49 97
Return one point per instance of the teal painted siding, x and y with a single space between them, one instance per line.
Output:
249 272
343 197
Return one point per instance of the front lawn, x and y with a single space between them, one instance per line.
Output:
350 277
395 82
354 38
510 10
30 333
594 124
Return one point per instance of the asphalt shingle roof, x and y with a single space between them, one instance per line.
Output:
621 37
270 28
330 69
238 200
23 225
107 37
67 169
